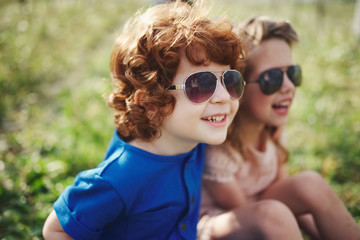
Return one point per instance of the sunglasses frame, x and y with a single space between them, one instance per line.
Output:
284 71
183 86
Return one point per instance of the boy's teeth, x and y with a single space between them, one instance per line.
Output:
215 118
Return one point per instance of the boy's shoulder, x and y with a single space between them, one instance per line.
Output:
124 152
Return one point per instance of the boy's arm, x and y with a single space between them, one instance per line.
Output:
53 230
227 195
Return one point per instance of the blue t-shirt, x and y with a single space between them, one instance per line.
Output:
134 194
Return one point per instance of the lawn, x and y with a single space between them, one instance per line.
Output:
54 122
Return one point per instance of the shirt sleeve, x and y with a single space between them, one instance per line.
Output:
220 163
86 207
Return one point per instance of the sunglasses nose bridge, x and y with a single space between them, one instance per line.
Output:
287 83
287 73
221 94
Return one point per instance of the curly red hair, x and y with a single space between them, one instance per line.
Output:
147 54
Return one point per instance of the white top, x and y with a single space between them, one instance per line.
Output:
223 164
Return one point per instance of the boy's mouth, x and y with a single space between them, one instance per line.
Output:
217 118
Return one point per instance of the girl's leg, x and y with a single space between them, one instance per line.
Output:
307 224
267 219
309 193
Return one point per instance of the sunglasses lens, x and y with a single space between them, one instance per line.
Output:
294 74
200 87
233 82
271 81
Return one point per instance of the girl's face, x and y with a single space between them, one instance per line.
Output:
256 107
206 122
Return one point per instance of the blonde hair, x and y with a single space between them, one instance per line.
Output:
146 56
254 31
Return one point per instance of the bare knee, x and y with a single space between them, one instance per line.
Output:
271 218
311 187
266 219
270 213
311 177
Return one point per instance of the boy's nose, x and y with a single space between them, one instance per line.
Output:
221 95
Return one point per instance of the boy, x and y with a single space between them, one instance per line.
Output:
148 186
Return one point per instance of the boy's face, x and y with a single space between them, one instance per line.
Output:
258 108
206 122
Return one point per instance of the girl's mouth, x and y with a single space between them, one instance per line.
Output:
281 108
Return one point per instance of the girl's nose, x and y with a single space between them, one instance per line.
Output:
287 85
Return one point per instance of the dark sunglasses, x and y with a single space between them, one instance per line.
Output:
200 87
271 80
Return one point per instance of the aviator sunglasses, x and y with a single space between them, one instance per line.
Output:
200 87
271 80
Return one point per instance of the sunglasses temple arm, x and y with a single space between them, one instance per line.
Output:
176 87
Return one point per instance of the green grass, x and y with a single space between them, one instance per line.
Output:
54 69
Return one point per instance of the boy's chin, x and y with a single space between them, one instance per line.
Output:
217 141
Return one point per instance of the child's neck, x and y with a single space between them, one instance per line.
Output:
253 136
161 146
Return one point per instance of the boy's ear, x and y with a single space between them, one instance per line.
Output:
139 99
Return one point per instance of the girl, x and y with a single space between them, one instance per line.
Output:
246 191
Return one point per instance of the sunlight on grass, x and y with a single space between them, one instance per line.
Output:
54 122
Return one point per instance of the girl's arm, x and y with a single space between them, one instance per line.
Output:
227 195
307 224
53 230
282 172
306 221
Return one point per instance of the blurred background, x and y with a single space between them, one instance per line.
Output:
54 70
